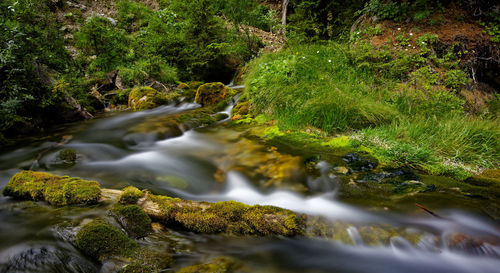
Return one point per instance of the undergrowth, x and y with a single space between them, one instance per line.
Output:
403 112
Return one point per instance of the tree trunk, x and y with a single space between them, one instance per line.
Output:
284 9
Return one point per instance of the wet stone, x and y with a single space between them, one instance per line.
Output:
360 163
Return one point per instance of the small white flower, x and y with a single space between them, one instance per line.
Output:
357 32
399 28
329 61
414 47
423 43
317 51
303 57
411 34
406 49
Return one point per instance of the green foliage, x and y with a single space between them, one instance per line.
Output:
99 37
248 13
315 86
321 19
492 27
30 46
450 145
400 10
68 155
456 78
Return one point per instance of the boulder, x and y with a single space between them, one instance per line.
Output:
212 93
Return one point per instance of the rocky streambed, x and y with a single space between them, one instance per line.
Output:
178 188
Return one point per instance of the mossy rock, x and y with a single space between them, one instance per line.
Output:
218 265
242 108
143 98
130 195
213 93
224 217
148 261
133 219
56 190
487 178
67 155
102 241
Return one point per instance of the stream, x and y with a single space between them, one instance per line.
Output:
215 164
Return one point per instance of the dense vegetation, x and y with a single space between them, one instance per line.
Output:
379 72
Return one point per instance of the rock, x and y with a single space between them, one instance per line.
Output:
212 93
360 163
42 259
341 170
133 219
486 178
102 241
67 155
218 265
142 98
223 217
56 190
130 195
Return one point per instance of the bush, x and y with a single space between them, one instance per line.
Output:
99 37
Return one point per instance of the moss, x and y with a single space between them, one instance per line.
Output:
56 190
218 265
212 93
487 178
101 241
67 155
148 261
142 98
130 195
133 219
226 217
242 109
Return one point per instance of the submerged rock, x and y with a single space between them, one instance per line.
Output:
56 190
223 217
218 265
487 178
42 259
67 155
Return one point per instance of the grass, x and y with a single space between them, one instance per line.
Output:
418 123
316 85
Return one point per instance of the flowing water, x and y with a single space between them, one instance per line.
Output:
215 164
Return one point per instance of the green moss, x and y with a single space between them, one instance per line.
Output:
148 261
56 190
212 93
142 98
487 178
67 155
133 219
218 265
130 195
102 241
227 217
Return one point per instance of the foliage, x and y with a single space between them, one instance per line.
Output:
315 85
99 37
321 19
30 46
456 78
400 10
